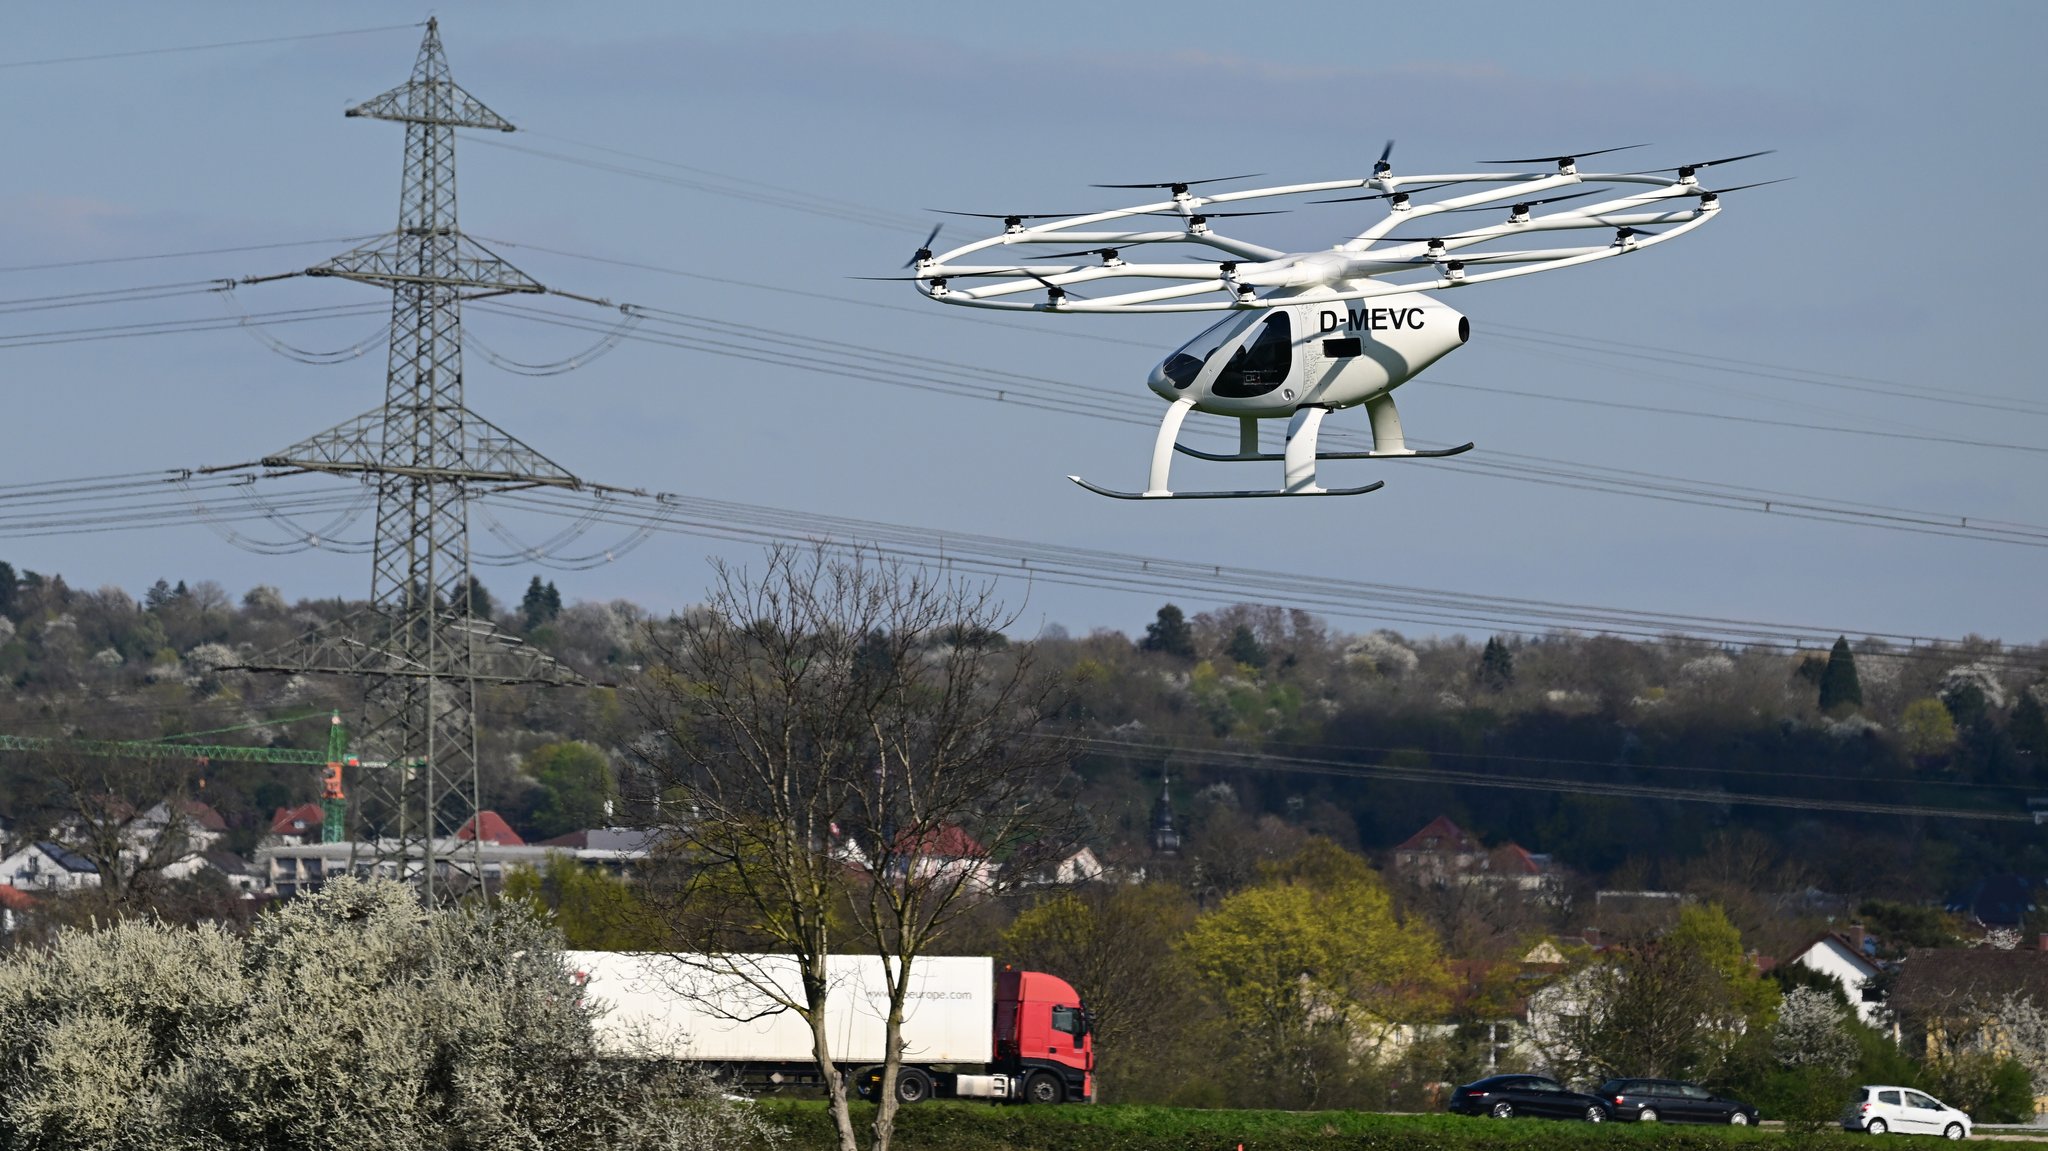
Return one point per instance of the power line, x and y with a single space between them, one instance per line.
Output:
1260 761
1095 568
922 373
1702 361
219 44
337 242
1762 421
793 200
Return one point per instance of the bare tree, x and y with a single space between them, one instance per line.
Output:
848 755
129 818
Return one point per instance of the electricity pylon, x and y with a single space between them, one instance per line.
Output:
418 645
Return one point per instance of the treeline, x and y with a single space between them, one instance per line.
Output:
1948 728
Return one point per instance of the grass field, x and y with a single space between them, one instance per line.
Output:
982 1127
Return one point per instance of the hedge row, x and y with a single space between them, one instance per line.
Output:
982 1127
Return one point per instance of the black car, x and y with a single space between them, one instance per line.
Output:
1670 1101
1505 1096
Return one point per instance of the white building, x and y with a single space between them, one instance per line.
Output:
48 866
1848 960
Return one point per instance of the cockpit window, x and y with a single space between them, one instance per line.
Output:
1261 364
1186 363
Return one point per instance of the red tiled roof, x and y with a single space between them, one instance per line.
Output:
297 820
494 830
204 815
947 842
14 899
1522 861
1448 836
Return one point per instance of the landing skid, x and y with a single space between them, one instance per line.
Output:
1099 490
1270 457
1298 477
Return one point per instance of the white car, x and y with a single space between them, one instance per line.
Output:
1904 1110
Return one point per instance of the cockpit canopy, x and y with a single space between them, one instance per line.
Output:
1256 353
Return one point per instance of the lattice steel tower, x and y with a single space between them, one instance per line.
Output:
418 645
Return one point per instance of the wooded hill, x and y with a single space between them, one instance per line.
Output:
1270 726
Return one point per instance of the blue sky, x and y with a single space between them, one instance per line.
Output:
1900 254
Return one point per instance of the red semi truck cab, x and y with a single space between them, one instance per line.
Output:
1044 1037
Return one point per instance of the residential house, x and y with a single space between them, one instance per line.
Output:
295 826
47 865
1943 998
1850 959
1442 853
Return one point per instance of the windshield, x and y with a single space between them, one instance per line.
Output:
1186 362
1261 363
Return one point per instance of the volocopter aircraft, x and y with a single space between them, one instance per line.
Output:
1310 333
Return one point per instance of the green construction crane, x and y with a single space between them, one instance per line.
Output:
333 800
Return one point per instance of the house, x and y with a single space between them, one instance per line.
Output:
1437 853
945 852
294 826
48 866
1959 997
1443 853
1850 959
490 827
1080 867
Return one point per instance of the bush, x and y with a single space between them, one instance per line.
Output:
351 1018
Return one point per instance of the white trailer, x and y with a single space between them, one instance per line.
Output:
713 1009
961 1024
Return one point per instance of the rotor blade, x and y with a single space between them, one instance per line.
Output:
1697 192
1384 195
1527 203
1220 215
1566 156
1384 153
1182 183
924 249
1012 215
1758 184
1106 253
1052 289
931 276
1705 163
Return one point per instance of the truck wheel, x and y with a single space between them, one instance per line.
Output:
912 1086
1044 1087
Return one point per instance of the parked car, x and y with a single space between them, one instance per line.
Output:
1904 1110
1670 1101
1505 1096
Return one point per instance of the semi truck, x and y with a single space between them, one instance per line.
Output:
969 1031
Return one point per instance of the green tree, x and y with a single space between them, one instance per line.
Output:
1839 688
1496 671
1313 966
2029 725
10 592
1170 634
480 603
1926 729
541 604
1245 648
575 781
1115 943
593 909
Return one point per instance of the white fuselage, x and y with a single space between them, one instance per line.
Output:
1266 364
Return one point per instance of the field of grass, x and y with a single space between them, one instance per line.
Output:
943 1126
